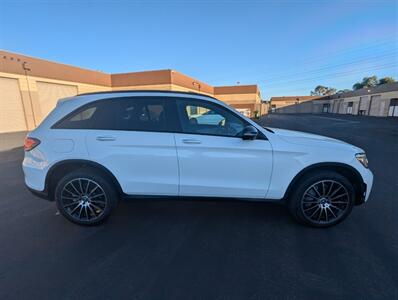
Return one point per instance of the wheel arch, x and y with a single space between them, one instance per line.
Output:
69 165
346 170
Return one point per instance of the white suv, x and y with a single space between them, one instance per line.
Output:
94 149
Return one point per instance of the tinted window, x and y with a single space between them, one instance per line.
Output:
79 120
84 115
206 118
135 114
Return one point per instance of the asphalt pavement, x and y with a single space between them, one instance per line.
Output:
164 249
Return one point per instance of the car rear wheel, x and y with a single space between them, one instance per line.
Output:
85 197
322 199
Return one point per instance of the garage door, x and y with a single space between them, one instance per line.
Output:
364 105
374 105
50 93
12 116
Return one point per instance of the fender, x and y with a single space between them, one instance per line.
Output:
351 173
72 164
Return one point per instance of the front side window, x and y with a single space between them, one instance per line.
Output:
133 114
198 117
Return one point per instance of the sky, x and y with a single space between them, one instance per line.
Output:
287 47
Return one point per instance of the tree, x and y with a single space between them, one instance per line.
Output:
367 82
357 86
370 81
386 80
321 90
331 91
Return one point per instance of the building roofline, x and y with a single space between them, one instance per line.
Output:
27 65
22 64
236 89
284 98
144 71
382 88
8 52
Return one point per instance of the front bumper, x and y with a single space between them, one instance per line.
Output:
367 178
40 194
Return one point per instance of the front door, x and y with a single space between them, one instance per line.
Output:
213 159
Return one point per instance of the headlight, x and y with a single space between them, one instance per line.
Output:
361 157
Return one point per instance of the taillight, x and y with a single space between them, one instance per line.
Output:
30 143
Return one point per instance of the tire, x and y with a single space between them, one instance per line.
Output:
85 197
322 199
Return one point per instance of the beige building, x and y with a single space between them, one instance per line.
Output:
378 101
278 102
245 98
30 88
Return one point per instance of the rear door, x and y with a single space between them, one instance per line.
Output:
132 137
213 159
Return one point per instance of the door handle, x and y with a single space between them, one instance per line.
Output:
105 138
191 141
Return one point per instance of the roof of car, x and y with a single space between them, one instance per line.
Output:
146 91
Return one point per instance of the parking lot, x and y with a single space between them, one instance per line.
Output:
163 249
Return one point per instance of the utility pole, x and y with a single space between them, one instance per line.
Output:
26 69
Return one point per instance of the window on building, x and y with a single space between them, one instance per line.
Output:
349 107
393 109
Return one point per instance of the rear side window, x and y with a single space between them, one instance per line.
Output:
81 119
134 114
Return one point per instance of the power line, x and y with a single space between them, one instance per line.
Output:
298 90
380 67
325 56
389 40
358 71
329 67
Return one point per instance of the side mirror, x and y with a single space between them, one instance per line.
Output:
249 132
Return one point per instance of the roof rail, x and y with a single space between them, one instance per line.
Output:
146 91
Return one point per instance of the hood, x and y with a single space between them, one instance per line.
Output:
309 139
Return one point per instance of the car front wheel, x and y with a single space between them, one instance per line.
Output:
85 197
322 199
